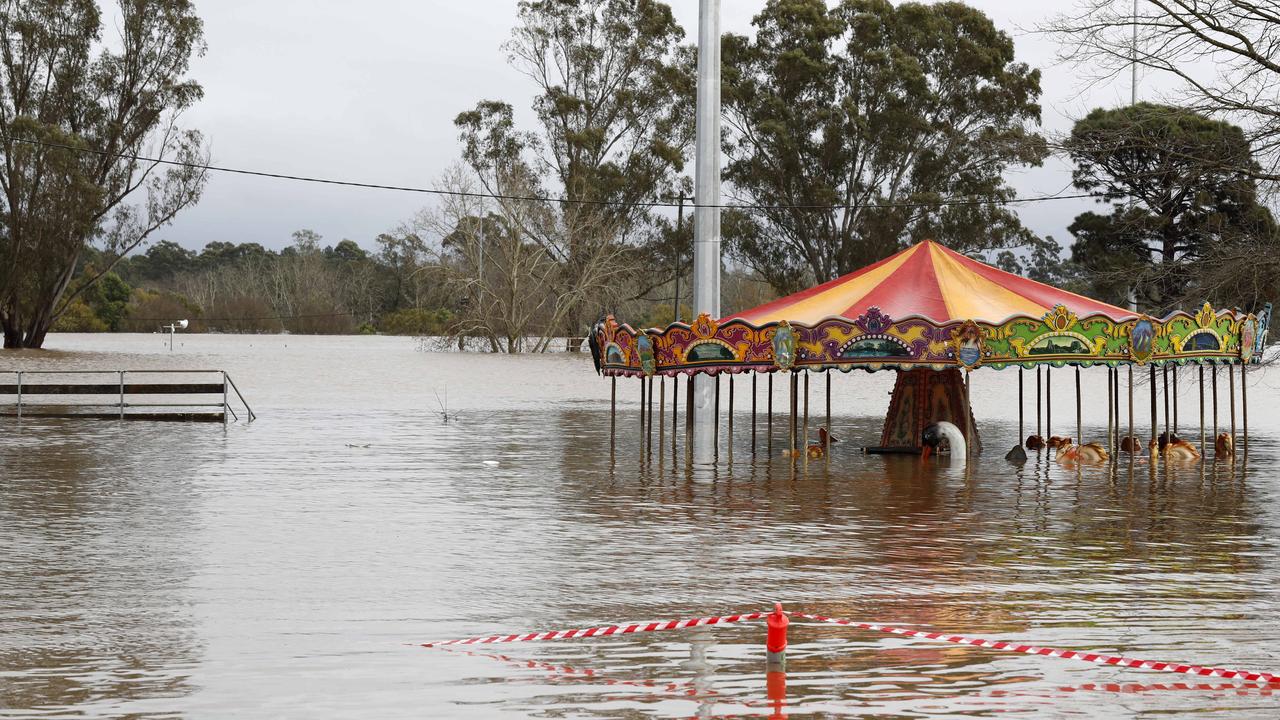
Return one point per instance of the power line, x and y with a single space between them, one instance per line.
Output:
949 202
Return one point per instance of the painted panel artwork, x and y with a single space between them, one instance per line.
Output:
875 341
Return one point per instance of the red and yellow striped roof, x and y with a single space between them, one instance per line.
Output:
932 281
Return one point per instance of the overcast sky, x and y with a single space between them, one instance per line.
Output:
368 91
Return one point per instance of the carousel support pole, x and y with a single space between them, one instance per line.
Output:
1118 430
827 454
1113 409
1079 424
649 420
662 415
1155 413
1244 408
754 396
768 429
1203 447
1110 406
613 410
804 438
1175 399
715 435
1131 435
1021 437
642 422
730 443
688 419
1039 427
675 411
1048 401
968 417
795 381
1164 371
706 220
1231 394
1115 384
1213 371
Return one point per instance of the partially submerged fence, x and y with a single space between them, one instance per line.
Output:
172 395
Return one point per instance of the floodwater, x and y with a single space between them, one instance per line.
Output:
287 568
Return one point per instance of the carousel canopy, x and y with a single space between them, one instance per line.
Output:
929 307
931 281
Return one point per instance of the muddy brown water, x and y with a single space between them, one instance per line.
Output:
286 568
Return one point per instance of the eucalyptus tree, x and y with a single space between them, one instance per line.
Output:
1183 189
1220 57
850 124
76 109
611 128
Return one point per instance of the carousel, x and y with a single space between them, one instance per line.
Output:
932 316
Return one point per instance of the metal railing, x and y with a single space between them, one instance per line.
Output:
121 390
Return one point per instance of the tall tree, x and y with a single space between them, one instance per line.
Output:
74 109
849 123
1220 54
1184 187
613 90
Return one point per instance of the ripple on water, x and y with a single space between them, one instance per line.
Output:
280 569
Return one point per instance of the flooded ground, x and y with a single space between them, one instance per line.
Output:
286 568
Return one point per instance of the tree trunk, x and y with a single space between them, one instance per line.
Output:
18 338
12 335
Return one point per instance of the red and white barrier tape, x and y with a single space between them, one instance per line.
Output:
1051 652
663 625
656 626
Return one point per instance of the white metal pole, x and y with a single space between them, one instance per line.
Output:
706 237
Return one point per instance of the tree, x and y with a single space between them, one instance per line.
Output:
110 300
74 113
850 124
497 276
613 92
164 259
1184 186
1220 53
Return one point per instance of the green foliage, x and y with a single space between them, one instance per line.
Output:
110 300
219 253
662 315
1184 191
79 318
416 321
65 86
149 310
161 260
883 109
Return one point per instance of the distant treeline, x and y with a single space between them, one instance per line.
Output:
246 288
405 287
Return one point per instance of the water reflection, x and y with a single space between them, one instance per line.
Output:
283 569
96 568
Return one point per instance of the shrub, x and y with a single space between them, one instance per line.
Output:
416 321
79 317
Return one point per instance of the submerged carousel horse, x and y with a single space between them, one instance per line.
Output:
1173 449
1090 453
1224 446
936 433
816 450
